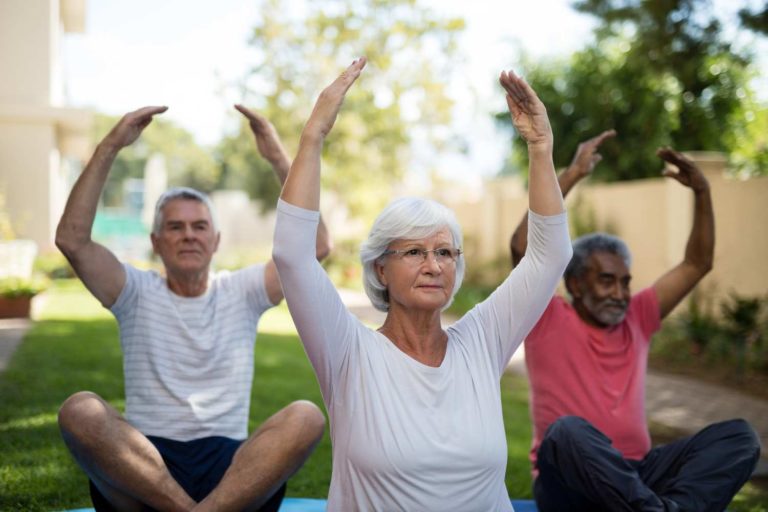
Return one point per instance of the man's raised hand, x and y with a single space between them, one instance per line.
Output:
687 172
587 157
128 129
267 139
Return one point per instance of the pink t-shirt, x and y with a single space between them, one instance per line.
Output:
598 374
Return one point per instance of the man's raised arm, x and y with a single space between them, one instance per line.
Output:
96 266
581 166
674 285
271 148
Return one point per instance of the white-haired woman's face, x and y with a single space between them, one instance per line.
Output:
420 274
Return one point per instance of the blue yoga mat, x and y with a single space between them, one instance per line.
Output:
309 505
313 505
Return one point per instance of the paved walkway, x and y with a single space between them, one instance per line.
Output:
678 403
11 332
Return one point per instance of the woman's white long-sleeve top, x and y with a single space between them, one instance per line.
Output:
407 436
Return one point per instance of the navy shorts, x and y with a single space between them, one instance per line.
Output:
197 465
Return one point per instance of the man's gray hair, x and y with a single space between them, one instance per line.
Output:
408 218
181 193
585 246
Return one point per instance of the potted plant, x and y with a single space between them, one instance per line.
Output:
16 295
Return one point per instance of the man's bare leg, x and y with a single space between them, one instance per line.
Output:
268 458
123 464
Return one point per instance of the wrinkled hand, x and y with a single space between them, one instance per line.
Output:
587 157
529 116
687 172
128 129
267 139
329 102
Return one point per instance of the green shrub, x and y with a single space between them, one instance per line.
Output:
343 264
13 287
467 296
54 265
733 341
742 321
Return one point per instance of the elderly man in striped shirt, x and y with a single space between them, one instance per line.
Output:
188 344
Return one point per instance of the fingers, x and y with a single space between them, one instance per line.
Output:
245 111
143 116
515 87
253 117
327 106
683 165
357 66
130 126
514 108
599 139
257 122
147 111
674 157
349 75
338 89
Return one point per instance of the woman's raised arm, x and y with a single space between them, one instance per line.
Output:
532 123
302 187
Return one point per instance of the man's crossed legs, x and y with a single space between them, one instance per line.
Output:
579 469
128 470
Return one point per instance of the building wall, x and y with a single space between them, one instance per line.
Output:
27 38
40 139
653 216
27 154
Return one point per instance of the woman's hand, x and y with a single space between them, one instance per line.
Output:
528 112
329 102
302 187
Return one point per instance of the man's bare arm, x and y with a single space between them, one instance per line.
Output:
674 285
271 148
96 266
581 166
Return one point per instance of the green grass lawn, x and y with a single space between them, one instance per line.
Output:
73 346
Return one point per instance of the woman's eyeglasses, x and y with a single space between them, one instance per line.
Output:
415 256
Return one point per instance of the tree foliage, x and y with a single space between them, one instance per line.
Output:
660 73
243 168
187 164
755 20
301 46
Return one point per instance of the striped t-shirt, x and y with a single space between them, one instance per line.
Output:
188 361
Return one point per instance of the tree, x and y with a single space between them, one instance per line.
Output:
300 50
756 21
660 74
186 162
243 168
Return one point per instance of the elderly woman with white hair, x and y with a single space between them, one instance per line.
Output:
415 409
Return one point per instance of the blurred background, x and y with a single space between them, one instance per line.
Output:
426 118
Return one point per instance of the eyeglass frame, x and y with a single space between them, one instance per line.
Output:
424 252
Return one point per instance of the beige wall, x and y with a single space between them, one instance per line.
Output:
39 137
653 216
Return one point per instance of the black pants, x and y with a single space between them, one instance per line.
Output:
579 470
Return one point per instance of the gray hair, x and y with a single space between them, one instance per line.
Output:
408 218
181 193
585 246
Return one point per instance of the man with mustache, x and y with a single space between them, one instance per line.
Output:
586 363
187 338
